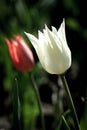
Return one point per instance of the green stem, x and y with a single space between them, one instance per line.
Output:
39 102
70 101
17 121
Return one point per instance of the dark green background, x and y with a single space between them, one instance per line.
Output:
17 16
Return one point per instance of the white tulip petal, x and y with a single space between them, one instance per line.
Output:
46 38
52 49
61 32
54 30
33 39
54 41
40 36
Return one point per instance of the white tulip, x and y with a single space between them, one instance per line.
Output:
52 49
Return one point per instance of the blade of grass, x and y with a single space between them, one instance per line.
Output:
65 123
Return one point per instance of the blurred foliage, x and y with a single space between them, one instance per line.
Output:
17 16
84 118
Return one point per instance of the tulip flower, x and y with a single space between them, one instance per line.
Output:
52 49
21 55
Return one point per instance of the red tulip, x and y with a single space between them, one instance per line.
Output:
20 53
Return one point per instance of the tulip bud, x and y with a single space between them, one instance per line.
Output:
21 55
52 49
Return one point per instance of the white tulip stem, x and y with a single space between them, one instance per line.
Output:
68 94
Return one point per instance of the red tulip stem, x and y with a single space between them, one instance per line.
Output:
35 87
